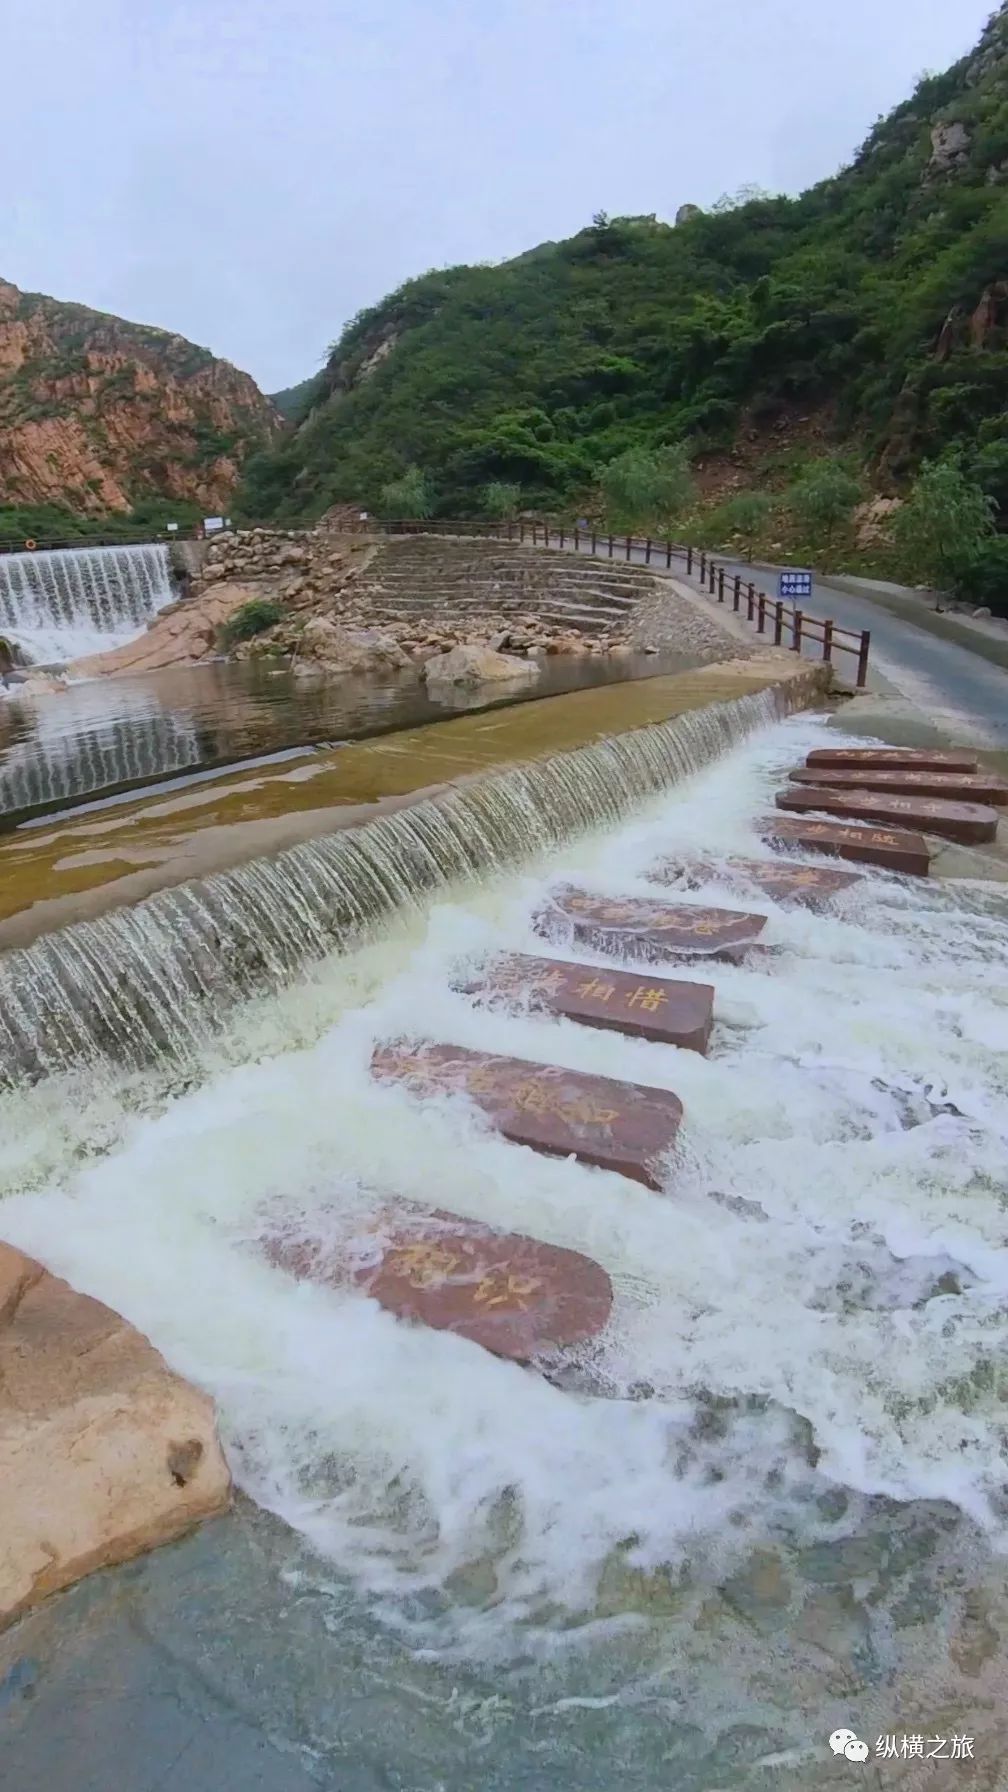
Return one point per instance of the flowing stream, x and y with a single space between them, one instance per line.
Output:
769 1502
60 605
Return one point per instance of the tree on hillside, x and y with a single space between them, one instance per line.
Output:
408 496
501 499
823 499
647 488
747 514
945 525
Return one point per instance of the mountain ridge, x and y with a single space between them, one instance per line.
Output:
857 304
98 414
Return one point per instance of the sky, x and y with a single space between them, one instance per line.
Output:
250 173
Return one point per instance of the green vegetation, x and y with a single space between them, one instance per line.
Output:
410 495
294 402
844 323
501 499
823 499
747 515
646 488
258 614
53 522
945 526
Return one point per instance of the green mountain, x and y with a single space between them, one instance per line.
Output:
871 312
294 402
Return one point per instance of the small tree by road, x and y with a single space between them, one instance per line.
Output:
647 488
408 496
823 499
942 529
747 514
501 500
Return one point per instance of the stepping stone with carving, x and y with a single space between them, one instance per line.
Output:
976 787
654 932
921 759
614 1125
968 823
810 885
511 1294
656 1008
892 848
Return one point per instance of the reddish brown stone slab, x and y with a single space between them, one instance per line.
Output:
810 885
511 1294
655 932
894 849
654 1008
617 1126
968 823
922 759
975 787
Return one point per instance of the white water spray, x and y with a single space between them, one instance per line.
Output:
69 602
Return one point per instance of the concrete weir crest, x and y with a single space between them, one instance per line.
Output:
158 978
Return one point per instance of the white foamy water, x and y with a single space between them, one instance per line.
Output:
815 1302
64 604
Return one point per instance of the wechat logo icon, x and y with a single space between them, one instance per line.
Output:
844 1742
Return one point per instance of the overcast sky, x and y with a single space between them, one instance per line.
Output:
251 172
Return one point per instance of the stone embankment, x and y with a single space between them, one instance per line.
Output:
353 603
104 1453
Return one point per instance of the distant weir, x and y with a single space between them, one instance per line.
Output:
69 602
157 980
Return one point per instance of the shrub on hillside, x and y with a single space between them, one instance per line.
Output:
251 619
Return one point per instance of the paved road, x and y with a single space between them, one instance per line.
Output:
959 691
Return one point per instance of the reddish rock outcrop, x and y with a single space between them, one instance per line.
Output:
104 1453
97 413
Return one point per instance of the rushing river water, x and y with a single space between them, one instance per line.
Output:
770 1503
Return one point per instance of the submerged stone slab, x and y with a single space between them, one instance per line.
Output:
656 1008
511 1294
977 787
892 848
618 1126
655 932
104 1453
924 759
969 823
810 885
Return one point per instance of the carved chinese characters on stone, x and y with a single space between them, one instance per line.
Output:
509 1293
893 849
810 885
667 1011
618 1126
655 932
978 787
895 758
969 823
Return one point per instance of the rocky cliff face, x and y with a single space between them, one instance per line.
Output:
97 413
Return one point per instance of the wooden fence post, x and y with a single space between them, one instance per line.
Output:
647 551
720 584
689 562
778 627
751 594
827 640
737 593
668 555
862 663
761 613
796 628
610 546
628 547
711 573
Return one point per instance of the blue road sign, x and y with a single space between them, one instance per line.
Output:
795 584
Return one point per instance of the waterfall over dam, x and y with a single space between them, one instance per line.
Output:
63 604
156 980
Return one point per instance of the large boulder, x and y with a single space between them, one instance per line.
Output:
326 647
104 1453
472 665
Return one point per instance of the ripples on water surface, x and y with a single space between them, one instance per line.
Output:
120 734
783 1509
